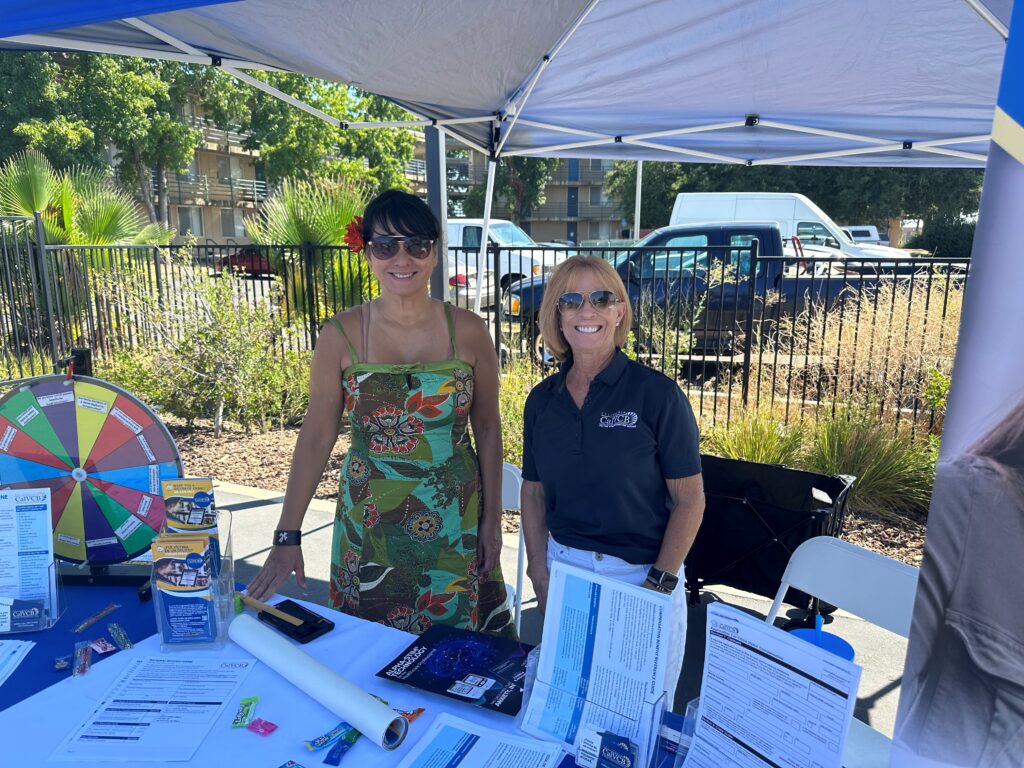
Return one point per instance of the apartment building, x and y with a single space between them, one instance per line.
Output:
223 184
576 206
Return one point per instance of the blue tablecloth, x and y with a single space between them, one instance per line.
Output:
36 671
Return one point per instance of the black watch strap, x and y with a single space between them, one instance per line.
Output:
663 581
287 538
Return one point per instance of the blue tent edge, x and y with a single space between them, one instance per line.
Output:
27 17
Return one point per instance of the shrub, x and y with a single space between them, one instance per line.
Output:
758 436
952 239
882 345
517 379
894 474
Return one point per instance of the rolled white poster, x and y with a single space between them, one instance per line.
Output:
376 721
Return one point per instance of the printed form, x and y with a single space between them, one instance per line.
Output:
602 664
452 741
26 555
160 709
769 698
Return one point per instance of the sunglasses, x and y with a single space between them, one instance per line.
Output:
386 246
599 300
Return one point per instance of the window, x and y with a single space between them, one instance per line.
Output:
690 259
190 220
740 257
228 168
812 231
596 196
471 237
231 223
597 165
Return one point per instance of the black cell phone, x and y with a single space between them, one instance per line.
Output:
313 624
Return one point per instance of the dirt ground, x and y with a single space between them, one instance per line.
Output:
262 460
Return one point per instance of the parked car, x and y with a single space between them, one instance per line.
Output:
249 260
701 274
518 255
795 214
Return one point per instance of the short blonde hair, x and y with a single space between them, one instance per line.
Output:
609 278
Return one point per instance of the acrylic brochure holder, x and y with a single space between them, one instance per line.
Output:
35 615
206 597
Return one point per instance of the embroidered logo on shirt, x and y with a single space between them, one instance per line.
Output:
627 419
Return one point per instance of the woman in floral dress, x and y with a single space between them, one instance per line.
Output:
417 533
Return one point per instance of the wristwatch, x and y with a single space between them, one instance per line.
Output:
287 538
663 581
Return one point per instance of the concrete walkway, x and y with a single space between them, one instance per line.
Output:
255 513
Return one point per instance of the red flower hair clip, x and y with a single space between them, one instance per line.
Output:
354 235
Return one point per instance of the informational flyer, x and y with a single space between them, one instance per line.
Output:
160 709
601 671
467 666
28 580
451 742
769 698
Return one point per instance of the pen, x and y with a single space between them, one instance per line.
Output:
254 603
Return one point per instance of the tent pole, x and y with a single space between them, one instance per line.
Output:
481 261
517 101
636 207
437 188
989 17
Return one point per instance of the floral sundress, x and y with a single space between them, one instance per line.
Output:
405 528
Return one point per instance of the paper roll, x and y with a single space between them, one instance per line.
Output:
376 721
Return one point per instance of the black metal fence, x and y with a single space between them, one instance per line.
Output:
795 334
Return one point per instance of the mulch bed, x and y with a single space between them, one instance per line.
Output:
262 460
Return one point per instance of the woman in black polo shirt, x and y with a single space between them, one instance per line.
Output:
611 463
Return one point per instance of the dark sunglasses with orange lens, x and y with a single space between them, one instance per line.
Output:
386 246
573 300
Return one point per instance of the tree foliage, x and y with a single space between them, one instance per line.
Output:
518 181
73 107
846 194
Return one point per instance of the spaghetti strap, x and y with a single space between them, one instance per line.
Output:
364 323
450 317
352 350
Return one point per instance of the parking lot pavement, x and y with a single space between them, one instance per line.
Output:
255 512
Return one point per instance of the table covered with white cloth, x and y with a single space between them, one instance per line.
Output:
356 649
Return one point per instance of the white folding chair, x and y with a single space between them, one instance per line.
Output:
511 485
869 585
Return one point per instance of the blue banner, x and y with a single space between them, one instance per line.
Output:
31 17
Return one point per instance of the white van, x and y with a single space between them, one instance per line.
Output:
520 256
795 214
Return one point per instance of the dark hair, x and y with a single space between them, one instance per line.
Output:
401 213
1004 445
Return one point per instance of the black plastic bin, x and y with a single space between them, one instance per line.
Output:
755 516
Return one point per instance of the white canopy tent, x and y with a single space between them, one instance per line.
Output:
873 82
819 82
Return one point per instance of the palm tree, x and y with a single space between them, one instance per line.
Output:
80 206
302 219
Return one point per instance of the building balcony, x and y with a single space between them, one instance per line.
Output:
564 212
583 176
191 189
225 138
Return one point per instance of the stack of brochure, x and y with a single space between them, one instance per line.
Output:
12 653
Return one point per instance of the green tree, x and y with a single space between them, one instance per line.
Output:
520 182
661 183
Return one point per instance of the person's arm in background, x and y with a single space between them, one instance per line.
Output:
312 450
486 422
532 511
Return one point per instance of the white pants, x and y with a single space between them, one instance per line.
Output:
616 568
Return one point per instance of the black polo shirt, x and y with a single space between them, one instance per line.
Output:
604 467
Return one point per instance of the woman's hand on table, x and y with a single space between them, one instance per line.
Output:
488 548
281 563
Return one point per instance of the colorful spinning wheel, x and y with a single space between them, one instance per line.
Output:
102 454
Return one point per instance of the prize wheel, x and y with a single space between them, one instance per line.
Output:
101 452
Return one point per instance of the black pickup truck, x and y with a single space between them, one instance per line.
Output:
721 281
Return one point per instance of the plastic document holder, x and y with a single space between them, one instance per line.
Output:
641 726
18 615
